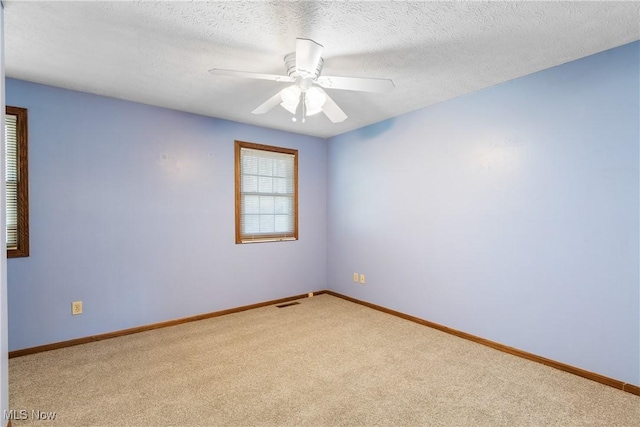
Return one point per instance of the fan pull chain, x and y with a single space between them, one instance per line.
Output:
304 106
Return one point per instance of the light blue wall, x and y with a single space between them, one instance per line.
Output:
510 213
132 212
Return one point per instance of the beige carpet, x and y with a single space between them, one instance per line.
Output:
324 362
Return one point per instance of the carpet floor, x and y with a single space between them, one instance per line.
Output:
323 362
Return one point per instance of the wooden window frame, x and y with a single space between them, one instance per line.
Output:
22 248
276 237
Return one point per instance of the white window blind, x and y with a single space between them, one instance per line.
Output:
267 195
11 178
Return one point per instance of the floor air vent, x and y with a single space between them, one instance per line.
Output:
287 304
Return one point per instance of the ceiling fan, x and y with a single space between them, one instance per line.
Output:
305 96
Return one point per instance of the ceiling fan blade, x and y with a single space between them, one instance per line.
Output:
308 54
247 74
332 111
356 83
269 103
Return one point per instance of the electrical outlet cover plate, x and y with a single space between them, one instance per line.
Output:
355 277
362 279
76 307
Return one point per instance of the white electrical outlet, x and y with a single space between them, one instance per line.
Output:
310 294
362 279
355 277
76 307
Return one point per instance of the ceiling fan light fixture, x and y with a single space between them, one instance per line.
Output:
314 101
290 108
313 112
290 98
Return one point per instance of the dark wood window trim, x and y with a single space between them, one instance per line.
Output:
22 247
242 238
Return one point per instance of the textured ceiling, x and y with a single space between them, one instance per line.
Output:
158 53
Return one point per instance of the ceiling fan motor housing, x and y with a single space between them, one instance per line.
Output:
292 70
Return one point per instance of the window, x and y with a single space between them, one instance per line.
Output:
266 193
17 183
